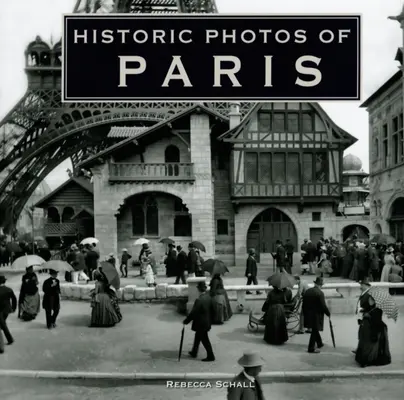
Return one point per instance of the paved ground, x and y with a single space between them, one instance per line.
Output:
13 389
148 337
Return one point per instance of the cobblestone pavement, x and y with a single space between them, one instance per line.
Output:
147 340
31 389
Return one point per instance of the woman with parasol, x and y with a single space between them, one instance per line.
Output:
373 344
274 308
29 302
105 310
221 305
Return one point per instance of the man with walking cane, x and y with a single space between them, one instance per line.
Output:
314 308
8 304
201 317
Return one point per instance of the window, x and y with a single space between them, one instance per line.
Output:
251 167
293 122
279 122
396 149
265 167
307 167
222 227
307 123
385 145
395 124
182 219
145 217
321 167
279 168
316 216
264 122
376 149
293 175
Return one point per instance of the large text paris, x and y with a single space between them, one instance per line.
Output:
211 58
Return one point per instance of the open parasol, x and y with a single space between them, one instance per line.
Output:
167 241
332 333
56 265
382 238
281 280
384 301
181 343
89 240
199 246
141 241
23 262
111 274
214 267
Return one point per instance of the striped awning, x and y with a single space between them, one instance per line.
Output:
122 132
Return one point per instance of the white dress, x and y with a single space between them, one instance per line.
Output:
149 275
388 264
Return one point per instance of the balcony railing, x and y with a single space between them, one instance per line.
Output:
134 172
60 228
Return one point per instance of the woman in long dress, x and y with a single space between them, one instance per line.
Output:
389 262
373 344
275 318
29 300
105 310
221 305
323 264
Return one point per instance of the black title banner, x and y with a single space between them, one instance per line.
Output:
210 57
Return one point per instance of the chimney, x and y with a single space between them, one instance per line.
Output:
234 115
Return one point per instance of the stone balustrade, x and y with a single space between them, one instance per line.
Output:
341 298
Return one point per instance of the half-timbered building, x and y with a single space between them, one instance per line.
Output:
230 183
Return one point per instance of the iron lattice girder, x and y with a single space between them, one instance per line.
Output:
145 6
17 198
67 119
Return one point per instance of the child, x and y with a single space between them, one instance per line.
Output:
124 263
149 275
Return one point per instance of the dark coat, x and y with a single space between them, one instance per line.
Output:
80 262
251 267
280 257
8 301
314 308
311 252
246 390
171 263
201 314
45 254
373 258
361 259
182 259
192 261
91 259
289 248
51 297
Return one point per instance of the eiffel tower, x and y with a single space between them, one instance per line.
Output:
40 132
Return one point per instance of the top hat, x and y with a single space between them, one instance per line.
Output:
319 281
201 286
2 279
52 272
251 251
365 281
251 359
171 244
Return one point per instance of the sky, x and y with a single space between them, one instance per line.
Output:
22 20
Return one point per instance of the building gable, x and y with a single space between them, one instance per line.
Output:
288 122
74 192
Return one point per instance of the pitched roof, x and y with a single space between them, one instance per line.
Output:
112 149
83 182
85 209
345 136
386 85
119 132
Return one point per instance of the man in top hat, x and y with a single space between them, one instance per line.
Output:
314 308
171 261
181 266
251 270
51 298
8 304
246 385
201 317
280 257
192 261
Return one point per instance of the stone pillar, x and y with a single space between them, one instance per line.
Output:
193 292
202 204
105 222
